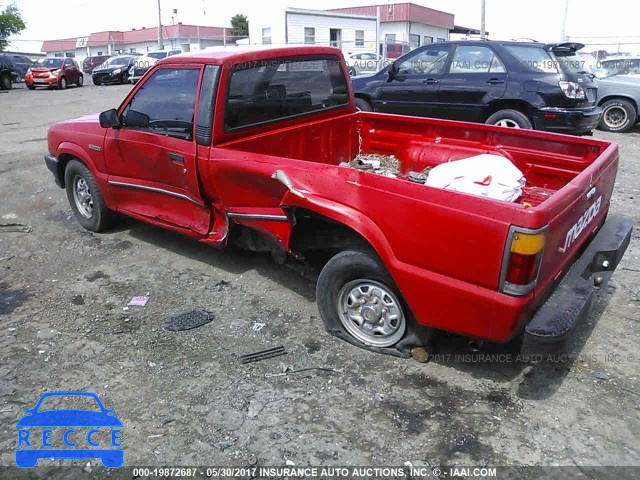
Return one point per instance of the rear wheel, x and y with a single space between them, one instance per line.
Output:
509 118
85 198
618 115
5 82
363 105
359 302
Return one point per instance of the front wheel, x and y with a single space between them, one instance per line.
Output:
618 115
80 81
359 302
509 118
363 105
62 83
5 82
352 72
85 198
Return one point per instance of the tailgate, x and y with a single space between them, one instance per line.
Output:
576 212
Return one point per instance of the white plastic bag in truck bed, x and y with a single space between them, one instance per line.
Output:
486 175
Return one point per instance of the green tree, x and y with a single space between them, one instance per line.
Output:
11 23
239 25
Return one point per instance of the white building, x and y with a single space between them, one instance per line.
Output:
350 32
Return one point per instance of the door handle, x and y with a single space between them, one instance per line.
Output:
176 157
495 81
430 81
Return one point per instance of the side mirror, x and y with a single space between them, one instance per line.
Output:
109 119
394 74
135 119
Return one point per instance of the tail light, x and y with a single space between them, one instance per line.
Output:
521 261
573 90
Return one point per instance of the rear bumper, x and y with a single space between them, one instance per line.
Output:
552 325
567 120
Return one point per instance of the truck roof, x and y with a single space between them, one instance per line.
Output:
250 53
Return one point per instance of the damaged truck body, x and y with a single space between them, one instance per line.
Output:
255 147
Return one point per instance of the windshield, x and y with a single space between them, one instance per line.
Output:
50 62
67 402
117 61
157 55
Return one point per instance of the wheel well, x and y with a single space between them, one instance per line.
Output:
522 107
63 160
618 97
318 238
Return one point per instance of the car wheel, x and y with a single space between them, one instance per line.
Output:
5 82
80 81
359 302
31 87
618 115
352 71
85 198
363 105
509 118
96 82
125 78
62 83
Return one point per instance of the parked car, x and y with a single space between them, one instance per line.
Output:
55 72
22 64
145 62
8 72
619 97
89 63
114 70
510 84
256 148
359 63
621 65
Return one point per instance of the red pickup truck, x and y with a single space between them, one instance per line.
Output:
253 147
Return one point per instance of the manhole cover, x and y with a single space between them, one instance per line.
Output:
188 320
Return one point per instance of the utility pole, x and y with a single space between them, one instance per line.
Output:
563 35
160 44
483 5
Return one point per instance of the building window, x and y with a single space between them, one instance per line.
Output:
427 40
414 40
70 54
441 39
132 50
390 38
266 36
309 35
58 55
359 38
99 52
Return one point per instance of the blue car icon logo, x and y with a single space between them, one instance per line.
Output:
72 433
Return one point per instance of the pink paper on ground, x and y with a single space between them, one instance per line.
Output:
139 301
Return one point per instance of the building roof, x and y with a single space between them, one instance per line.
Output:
145 34
404 12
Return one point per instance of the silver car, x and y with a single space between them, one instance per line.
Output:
364 62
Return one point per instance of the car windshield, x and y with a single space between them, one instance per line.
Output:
117 61
69 402
50 62
157 55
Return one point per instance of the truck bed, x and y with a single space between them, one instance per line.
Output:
431 234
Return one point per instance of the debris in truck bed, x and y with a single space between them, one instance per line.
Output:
387 165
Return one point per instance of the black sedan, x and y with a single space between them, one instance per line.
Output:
114 70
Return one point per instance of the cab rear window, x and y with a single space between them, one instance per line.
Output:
264 92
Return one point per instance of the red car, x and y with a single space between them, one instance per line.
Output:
257 148
54 72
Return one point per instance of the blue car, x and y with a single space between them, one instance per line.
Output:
69 420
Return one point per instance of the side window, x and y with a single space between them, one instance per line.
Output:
279 89
168 98
476 59
430 60
533 58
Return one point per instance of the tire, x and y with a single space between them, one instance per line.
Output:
85 198
62 83
363 105
509 118
31 87
80 81
5 82
381 321
96 82
352 71
618 115
125 78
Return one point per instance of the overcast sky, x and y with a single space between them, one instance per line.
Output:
506 19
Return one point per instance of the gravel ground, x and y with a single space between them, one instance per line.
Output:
184 397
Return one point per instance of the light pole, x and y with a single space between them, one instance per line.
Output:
160 44
563 35
483 6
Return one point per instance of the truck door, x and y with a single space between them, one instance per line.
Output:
475 78
152 157
416 91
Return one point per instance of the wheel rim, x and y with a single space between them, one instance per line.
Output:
507 122
63 83
371 313
615 116
82 196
